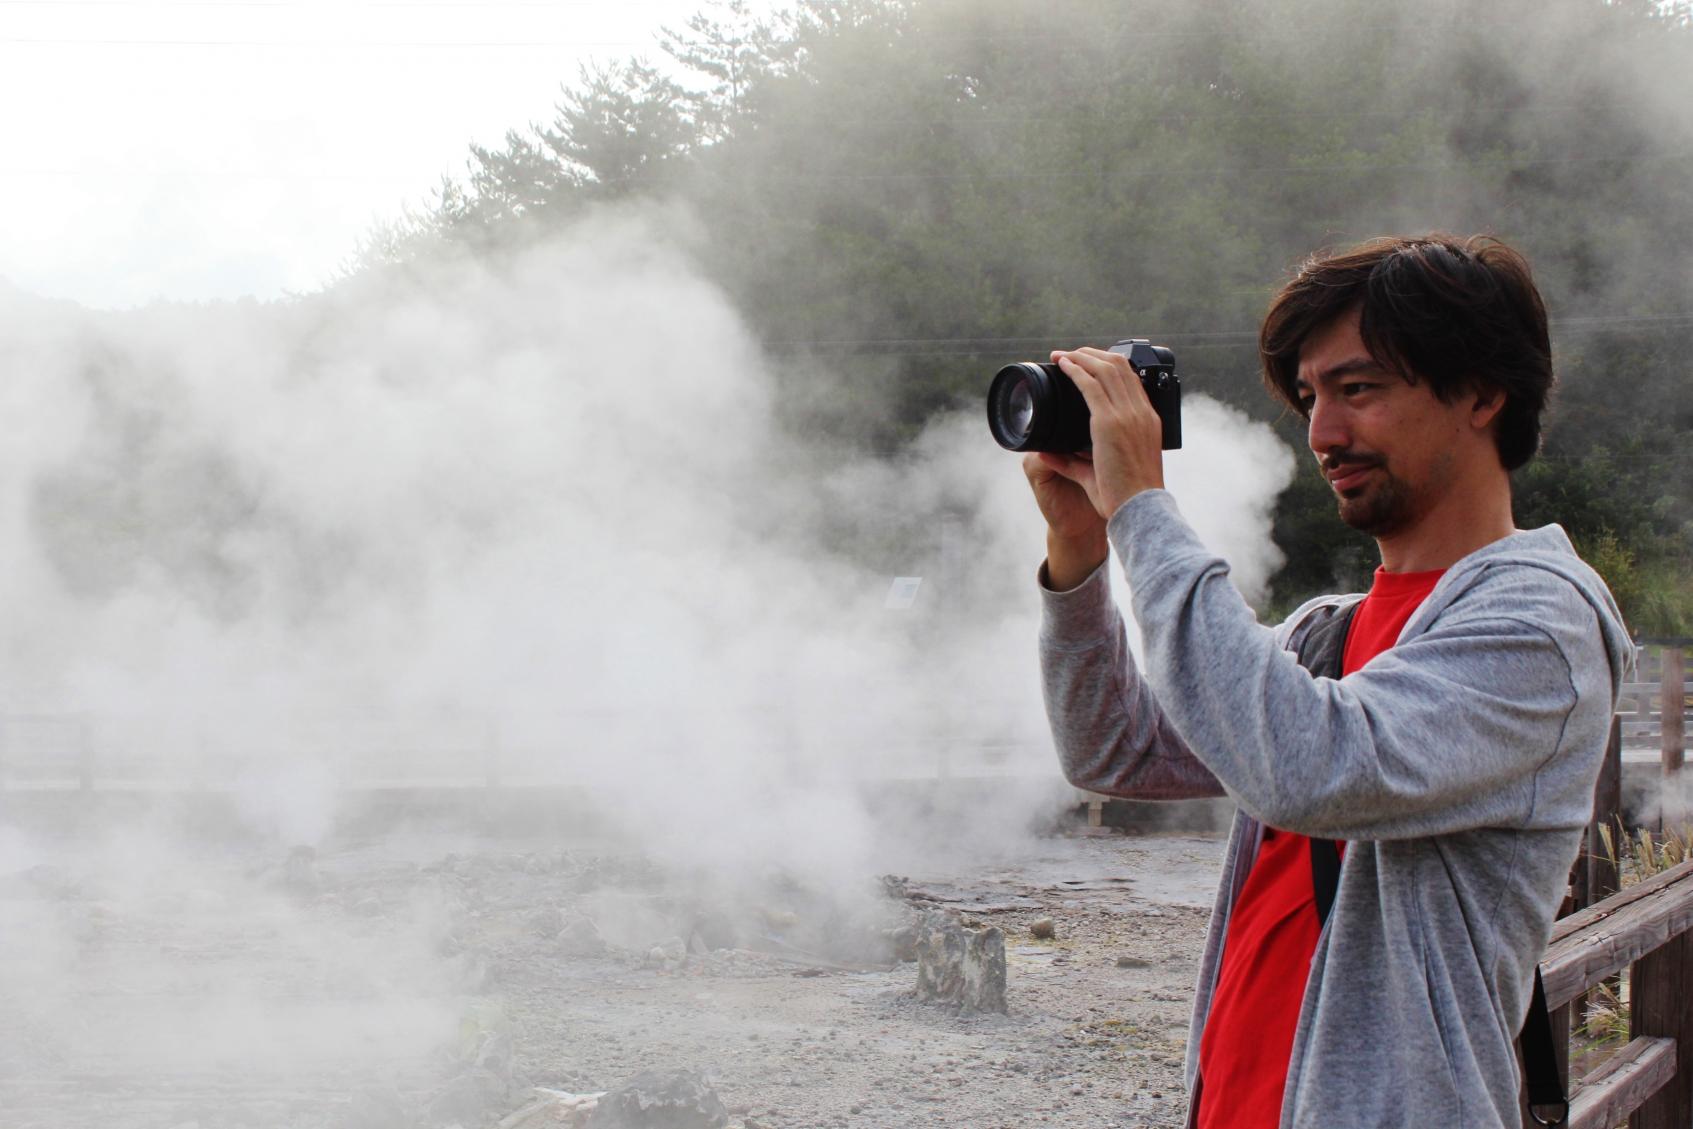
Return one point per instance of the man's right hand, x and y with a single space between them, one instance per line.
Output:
1075 533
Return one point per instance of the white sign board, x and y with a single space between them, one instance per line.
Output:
902 593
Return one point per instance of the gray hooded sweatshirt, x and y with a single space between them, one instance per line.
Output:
1458 766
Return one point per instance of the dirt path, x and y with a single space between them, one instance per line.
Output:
399 986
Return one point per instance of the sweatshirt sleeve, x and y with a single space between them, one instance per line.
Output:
1444 732
1110 734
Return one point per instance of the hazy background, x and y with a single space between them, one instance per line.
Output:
190 150
594 465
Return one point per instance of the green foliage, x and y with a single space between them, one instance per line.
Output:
734 55
902 194
1627 510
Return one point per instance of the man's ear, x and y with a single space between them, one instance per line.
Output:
1486 406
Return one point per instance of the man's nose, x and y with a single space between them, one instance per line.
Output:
1327 430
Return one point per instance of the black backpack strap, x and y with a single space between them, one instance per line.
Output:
1319 641
1320 646
1325 876
1547 1103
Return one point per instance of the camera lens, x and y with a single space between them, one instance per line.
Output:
1014 404
1035 407
1020 409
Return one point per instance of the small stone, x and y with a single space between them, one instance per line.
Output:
1042 929
1133 962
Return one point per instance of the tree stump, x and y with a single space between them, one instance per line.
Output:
960 968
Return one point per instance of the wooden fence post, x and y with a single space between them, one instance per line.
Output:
1670 711
1597 876
1661 1003
1602 877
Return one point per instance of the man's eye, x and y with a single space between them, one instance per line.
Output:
1356 387
1305 404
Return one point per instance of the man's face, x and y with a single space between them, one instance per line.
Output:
1388 448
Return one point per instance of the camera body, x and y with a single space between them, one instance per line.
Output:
1033 406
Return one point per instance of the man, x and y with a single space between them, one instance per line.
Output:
1453 762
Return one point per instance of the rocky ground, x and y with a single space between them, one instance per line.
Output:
398 984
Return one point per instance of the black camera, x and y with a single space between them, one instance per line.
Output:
1035 407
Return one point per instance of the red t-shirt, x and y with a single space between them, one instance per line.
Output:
1248 1039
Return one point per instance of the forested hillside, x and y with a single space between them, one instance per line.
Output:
902 194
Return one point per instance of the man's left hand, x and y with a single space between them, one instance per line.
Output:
1128 437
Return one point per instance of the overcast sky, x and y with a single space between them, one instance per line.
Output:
199 149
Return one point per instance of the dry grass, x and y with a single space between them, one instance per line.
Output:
1644 854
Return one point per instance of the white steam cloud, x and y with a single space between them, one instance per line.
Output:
535 519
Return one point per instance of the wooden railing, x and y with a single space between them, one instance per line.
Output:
1648 929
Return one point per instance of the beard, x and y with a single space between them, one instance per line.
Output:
1382 506
1379 508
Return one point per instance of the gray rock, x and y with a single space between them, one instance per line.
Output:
546 922
376 1108
580 937
661 1099
963 969
669 954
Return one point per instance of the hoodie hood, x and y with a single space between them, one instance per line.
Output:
1547 548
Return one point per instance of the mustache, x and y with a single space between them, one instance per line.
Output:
1334 460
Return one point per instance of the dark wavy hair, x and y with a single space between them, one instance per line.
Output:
1458 313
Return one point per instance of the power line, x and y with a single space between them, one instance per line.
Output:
1222 170
293 4
1352 168
1213 339
217 174
1121 119
328 44
1094 41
